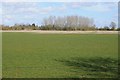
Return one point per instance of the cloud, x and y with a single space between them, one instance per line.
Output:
46 9
18 0
94 6
18 5
30 8
0 9
9 17
34 11
98 8
27 10
62 8
115 18
22 8
18 8
0 14
60 0
82 4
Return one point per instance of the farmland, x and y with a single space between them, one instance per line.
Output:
31 55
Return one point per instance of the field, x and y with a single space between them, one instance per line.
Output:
31 55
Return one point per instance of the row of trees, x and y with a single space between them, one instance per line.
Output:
20 27
68 23
73 23
62 23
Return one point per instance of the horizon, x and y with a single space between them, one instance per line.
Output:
103 13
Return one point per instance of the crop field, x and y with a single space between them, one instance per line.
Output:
35 55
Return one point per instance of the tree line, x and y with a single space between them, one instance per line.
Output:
66 23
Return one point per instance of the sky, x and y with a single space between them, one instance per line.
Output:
34 12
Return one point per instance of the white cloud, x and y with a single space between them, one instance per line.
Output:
0 11
62 8
115 18
94 6
98 8
14 8
0 14
46 9
34 10
60 0
22 8
8 17
82 4
29 8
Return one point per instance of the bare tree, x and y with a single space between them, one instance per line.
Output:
72 22
113 25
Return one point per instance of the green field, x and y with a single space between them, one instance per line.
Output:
31 55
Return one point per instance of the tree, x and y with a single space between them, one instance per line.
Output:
73 22
106 28
33 24
118 29
113 25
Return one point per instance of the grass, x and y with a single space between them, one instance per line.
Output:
29 55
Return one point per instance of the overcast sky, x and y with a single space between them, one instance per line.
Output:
33 12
